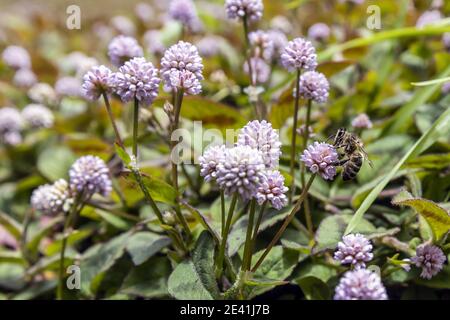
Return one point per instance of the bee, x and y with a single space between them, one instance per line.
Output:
353 153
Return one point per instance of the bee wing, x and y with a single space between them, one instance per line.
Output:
330 137
366 156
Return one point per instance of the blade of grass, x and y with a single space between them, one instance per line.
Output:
402 118
443 27
440 128
430 82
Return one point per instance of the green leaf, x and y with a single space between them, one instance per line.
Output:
99 259
160 190
33 244
440 128
194 278
437 217
123 154
54 163
75 237
36 290
11 225
203 259
148 280
12 257
277 266
143 245
314 288
114 220
331 230
212 114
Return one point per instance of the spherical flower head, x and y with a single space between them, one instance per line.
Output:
210 160
38 116
68 86
281 23
321 158
260 69
360 284
185 80
428 17
144 12
122 49
261 136
184 12
16 57
10 120
319 32
51 198
272 189
362 121
240 171
123 25
42 93
238 9
299 54
314 86
24 78
90 175
39 198
279 41
209 46
181 56
430 258
354 249
262 44
153 42
97 81
138 79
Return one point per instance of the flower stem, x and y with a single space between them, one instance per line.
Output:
294 135
285 223
135 127
258 223
23 241
222 207
178 99
246 263
225 232
119 140
308 217
66 231
248 54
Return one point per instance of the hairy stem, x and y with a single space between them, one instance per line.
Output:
308 217
222 209
225 232
246 263
178 98
258 223
119 140
66 232
285 223
135 127
294 136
